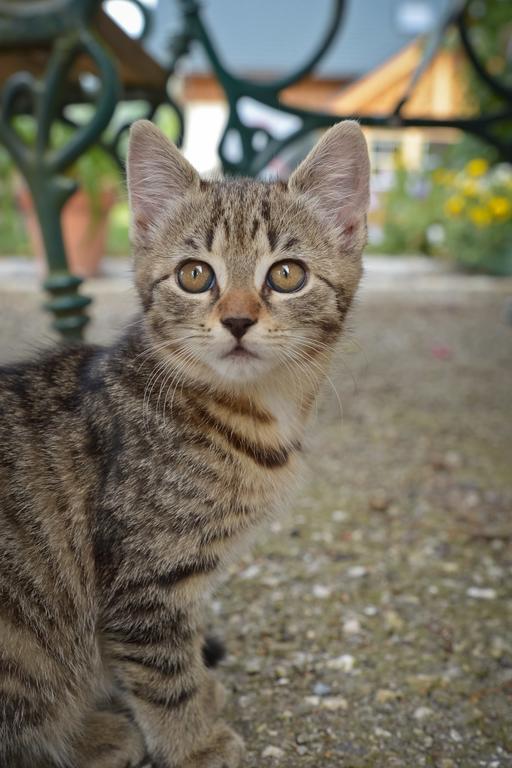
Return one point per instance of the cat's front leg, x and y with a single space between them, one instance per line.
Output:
176 700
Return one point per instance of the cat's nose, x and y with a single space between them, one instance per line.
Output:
238 326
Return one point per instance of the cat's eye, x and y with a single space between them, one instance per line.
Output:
195 276
286 276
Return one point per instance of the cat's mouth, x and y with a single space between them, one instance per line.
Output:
239 352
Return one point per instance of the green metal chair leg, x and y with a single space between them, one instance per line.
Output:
43 166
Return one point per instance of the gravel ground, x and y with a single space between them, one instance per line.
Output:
373 625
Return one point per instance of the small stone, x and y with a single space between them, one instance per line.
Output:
303 738
380 501
384 696
253 666
449 567
345 663
472 499
251 572
446 462
481 593
302 750
339 516
455 735
312 701
370 610
423 684
382 733
356 572
321 592
394 622
321 689
498 647
334 703
453 460
351 627
275 752
422 713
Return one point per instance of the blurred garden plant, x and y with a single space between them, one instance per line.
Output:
463 215
477 203
462 210
95 170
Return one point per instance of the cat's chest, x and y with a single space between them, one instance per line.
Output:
214 477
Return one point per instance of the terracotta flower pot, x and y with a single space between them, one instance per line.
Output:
84 229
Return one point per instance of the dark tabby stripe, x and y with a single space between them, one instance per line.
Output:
11 668
341 300
215 215
18 711
272 238
290 243
171 701
164 666
167 579
147 633
159 280
272 458
11 608
241 407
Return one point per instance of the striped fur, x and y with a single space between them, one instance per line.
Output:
131 475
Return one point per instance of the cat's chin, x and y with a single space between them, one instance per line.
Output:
241 367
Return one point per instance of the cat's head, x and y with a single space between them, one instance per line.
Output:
240 278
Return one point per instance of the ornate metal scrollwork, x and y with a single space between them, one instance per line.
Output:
43 166
254 158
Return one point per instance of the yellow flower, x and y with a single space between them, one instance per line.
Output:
477 167
470 188
454 205
500 207
480 216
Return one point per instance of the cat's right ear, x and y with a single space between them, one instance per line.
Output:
335 180
158 177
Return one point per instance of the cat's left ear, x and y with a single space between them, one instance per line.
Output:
159 177
335 179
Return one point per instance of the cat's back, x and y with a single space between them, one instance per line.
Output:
41 418
33 391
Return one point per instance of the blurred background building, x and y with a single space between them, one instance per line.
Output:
435 191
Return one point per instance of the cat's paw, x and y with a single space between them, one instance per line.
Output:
224 749
215 695
110 740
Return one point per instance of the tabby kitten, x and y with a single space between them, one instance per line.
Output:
130 475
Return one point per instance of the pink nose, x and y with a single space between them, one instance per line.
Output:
238 326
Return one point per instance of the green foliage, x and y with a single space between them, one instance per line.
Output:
409 211
463 215
95 171
13 238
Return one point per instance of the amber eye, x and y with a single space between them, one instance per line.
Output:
286 276
196 276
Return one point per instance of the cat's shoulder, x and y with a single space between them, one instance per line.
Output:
49 371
